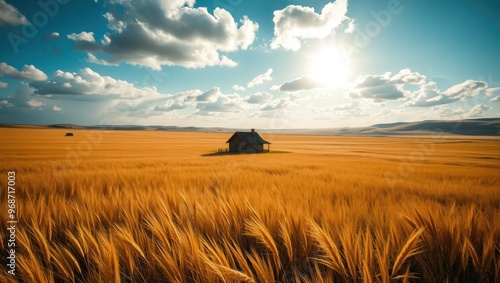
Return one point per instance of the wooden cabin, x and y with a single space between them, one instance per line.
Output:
247 142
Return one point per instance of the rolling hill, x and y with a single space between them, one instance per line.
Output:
471 127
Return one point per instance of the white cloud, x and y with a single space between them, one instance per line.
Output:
31 73
430 95
52 36
157 33
492 91
33 103
222 103
82 36
88 82
5 103
477 111
259 98
120 96
206 103
469 88
299 84
179 101
238 88
276 104
92 59
377 88
28 72
386 87
56 108
86 41
350 27
24 97
425 93
226 62
210 95
442 112
260 79
10 15
407 76
495 99
3 85
295 23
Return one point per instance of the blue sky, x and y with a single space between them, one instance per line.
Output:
242 63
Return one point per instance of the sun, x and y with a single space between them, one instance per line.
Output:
329 66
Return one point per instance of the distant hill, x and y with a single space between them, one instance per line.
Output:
472 127
475 127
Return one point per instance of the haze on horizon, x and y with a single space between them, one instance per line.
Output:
248 64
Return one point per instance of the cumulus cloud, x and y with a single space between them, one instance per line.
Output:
276 104
28 72
260 79
179 101
376 87
492 91
477 111
430 95
88 82
210 101
407 76
210 95
85 41
3 85
10 15
443 112
223 103
495 99
23 98
259 98
123 97
385 87
299 84
92 59
52 36
56 108
156 33
82 36
214 100
350 27
5 103
294 23
33 103
238 88
469 88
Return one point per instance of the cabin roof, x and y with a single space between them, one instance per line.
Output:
249 137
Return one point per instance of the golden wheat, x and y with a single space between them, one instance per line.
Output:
118 206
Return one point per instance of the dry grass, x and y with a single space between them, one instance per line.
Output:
149 207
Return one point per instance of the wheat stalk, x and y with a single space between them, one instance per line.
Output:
408 250
332 257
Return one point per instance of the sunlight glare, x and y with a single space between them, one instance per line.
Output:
330 67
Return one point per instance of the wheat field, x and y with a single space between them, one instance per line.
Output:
152 206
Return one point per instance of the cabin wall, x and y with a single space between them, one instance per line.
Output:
234 144
243 147
237 145
254 148
233 147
